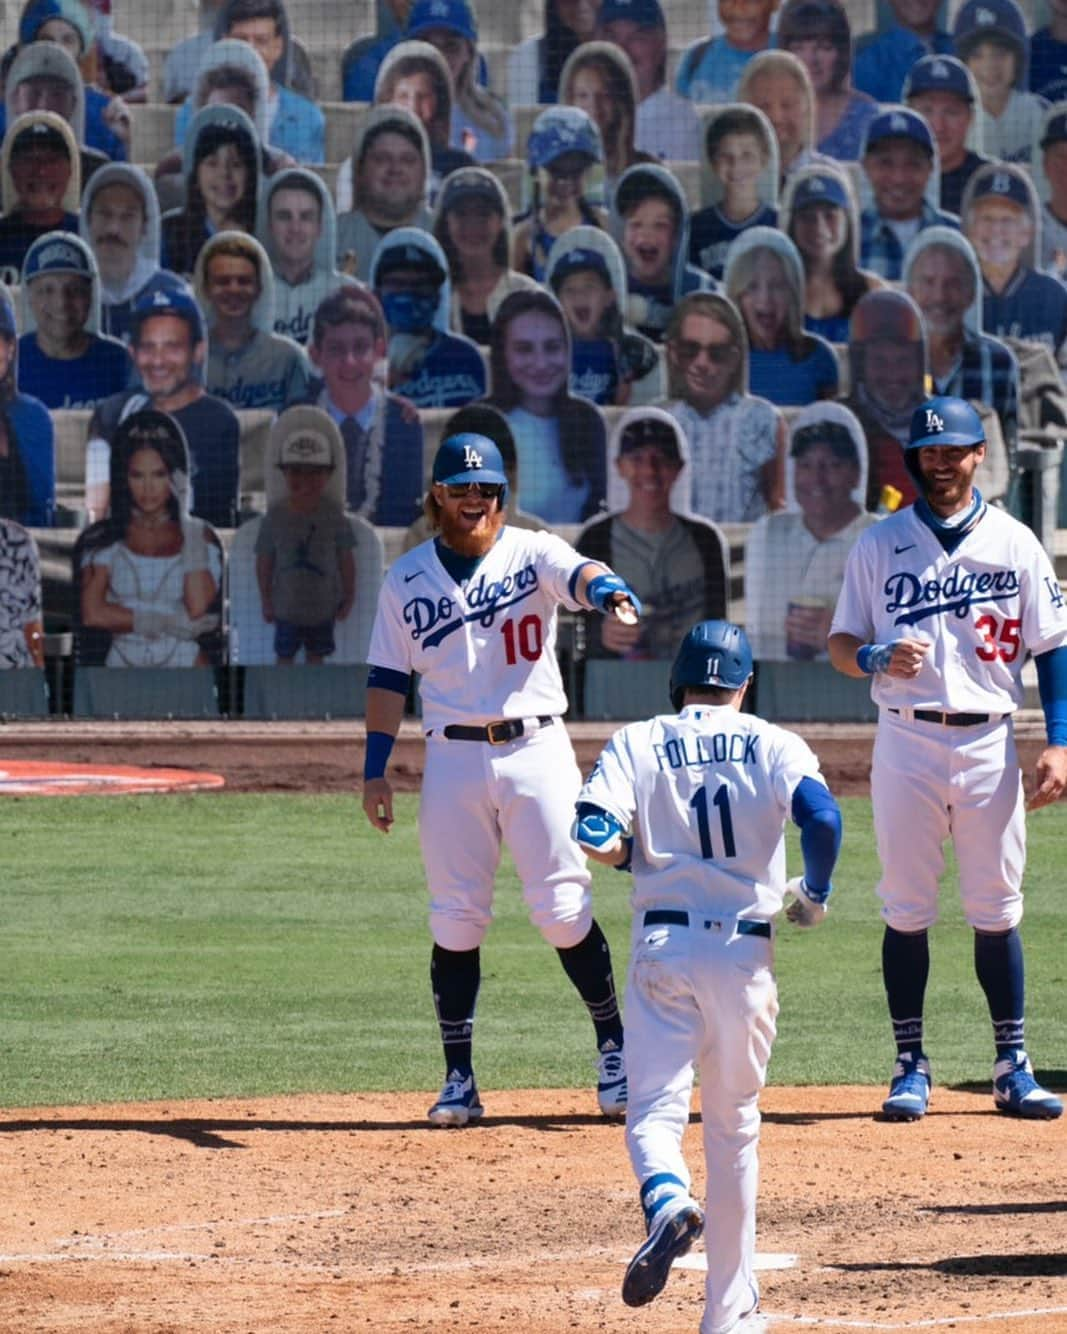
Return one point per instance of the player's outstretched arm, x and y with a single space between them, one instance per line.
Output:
385 710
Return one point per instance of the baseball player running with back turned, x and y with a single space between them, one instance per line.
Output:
707 792
940 603
473 611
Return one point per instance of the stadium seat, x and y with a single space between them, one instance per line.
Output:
151 132
326 71
145 692
524 118
510 172
23 693
300 691
255 426
803 692
161 23
622 690
71 427
342 121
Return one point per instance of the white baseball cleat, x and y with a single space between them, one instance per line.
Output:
611 1081
458 1104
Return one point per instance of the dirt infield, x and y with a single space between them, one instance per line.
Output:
328 757
307 1215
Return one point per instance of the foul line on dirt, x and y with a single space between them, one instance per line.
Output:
827 1322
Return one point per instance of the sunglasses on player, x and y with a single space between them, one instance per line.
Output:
486 490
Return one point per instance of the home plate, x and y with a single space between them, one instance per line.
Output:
36 778
768 1260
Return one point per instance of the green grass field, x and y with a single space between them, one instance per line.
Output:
211 945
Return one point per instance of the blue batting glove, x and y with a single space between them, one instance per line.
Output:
596 830
604 590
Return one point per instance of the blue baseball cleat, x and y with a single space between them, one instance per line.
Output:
672 1234
1017 1093
458 1104
909 1089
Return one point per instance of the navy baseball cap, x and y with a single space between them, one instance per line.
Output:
179 302
1055 130
57 252
938 74
1000 184
945 421
579 260
820 188
468 457
652 431
470 183
408 256
645 13
455 15
39 135
900 123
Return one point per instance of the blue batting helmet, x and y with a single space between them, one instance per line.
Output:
945 421
713 653
469 457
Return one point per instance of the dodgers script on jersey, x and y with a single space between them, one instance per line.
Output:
486 650
980 608
710 790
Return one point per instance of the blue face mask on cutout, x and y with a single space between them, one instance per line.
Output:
408 312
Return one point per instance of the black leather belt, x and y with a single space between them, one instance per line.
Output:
678 917
952 719
496 734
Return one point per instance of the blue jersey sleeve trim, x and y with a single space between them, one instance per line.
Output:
386 678
1052 687
817 814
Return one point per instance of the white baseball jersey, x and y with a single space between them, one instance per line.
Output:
709 791
981 608
486 650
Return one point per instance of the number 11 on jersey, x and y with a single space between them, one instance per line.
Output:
721 799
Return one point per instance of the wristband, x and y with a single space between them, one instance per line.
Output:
872 658
379 748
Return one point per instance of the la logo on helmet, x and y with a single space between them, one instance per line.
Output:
934 422
471 457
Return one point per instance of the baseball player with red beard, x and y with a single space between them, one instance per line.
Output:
940 604
473 612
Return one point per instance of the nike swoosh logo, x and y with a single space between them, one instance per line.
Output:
898 550
408 577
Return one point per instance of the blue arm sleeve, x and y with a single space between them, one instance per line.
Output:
385 678
816 813
1052 686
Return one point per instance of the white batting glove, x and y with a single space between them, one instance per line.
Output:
803 910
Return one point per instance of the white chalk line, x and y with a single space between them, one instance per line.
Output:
81 1249
962 1318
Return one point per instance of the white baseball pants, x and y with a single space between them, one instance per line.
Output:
703 996
930 783
476 797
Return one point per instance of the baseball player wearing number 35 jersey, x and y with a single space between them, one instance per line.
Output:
940 604
473 612
708 792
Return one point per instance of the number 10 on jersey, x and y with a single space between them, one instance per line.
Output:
721 800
